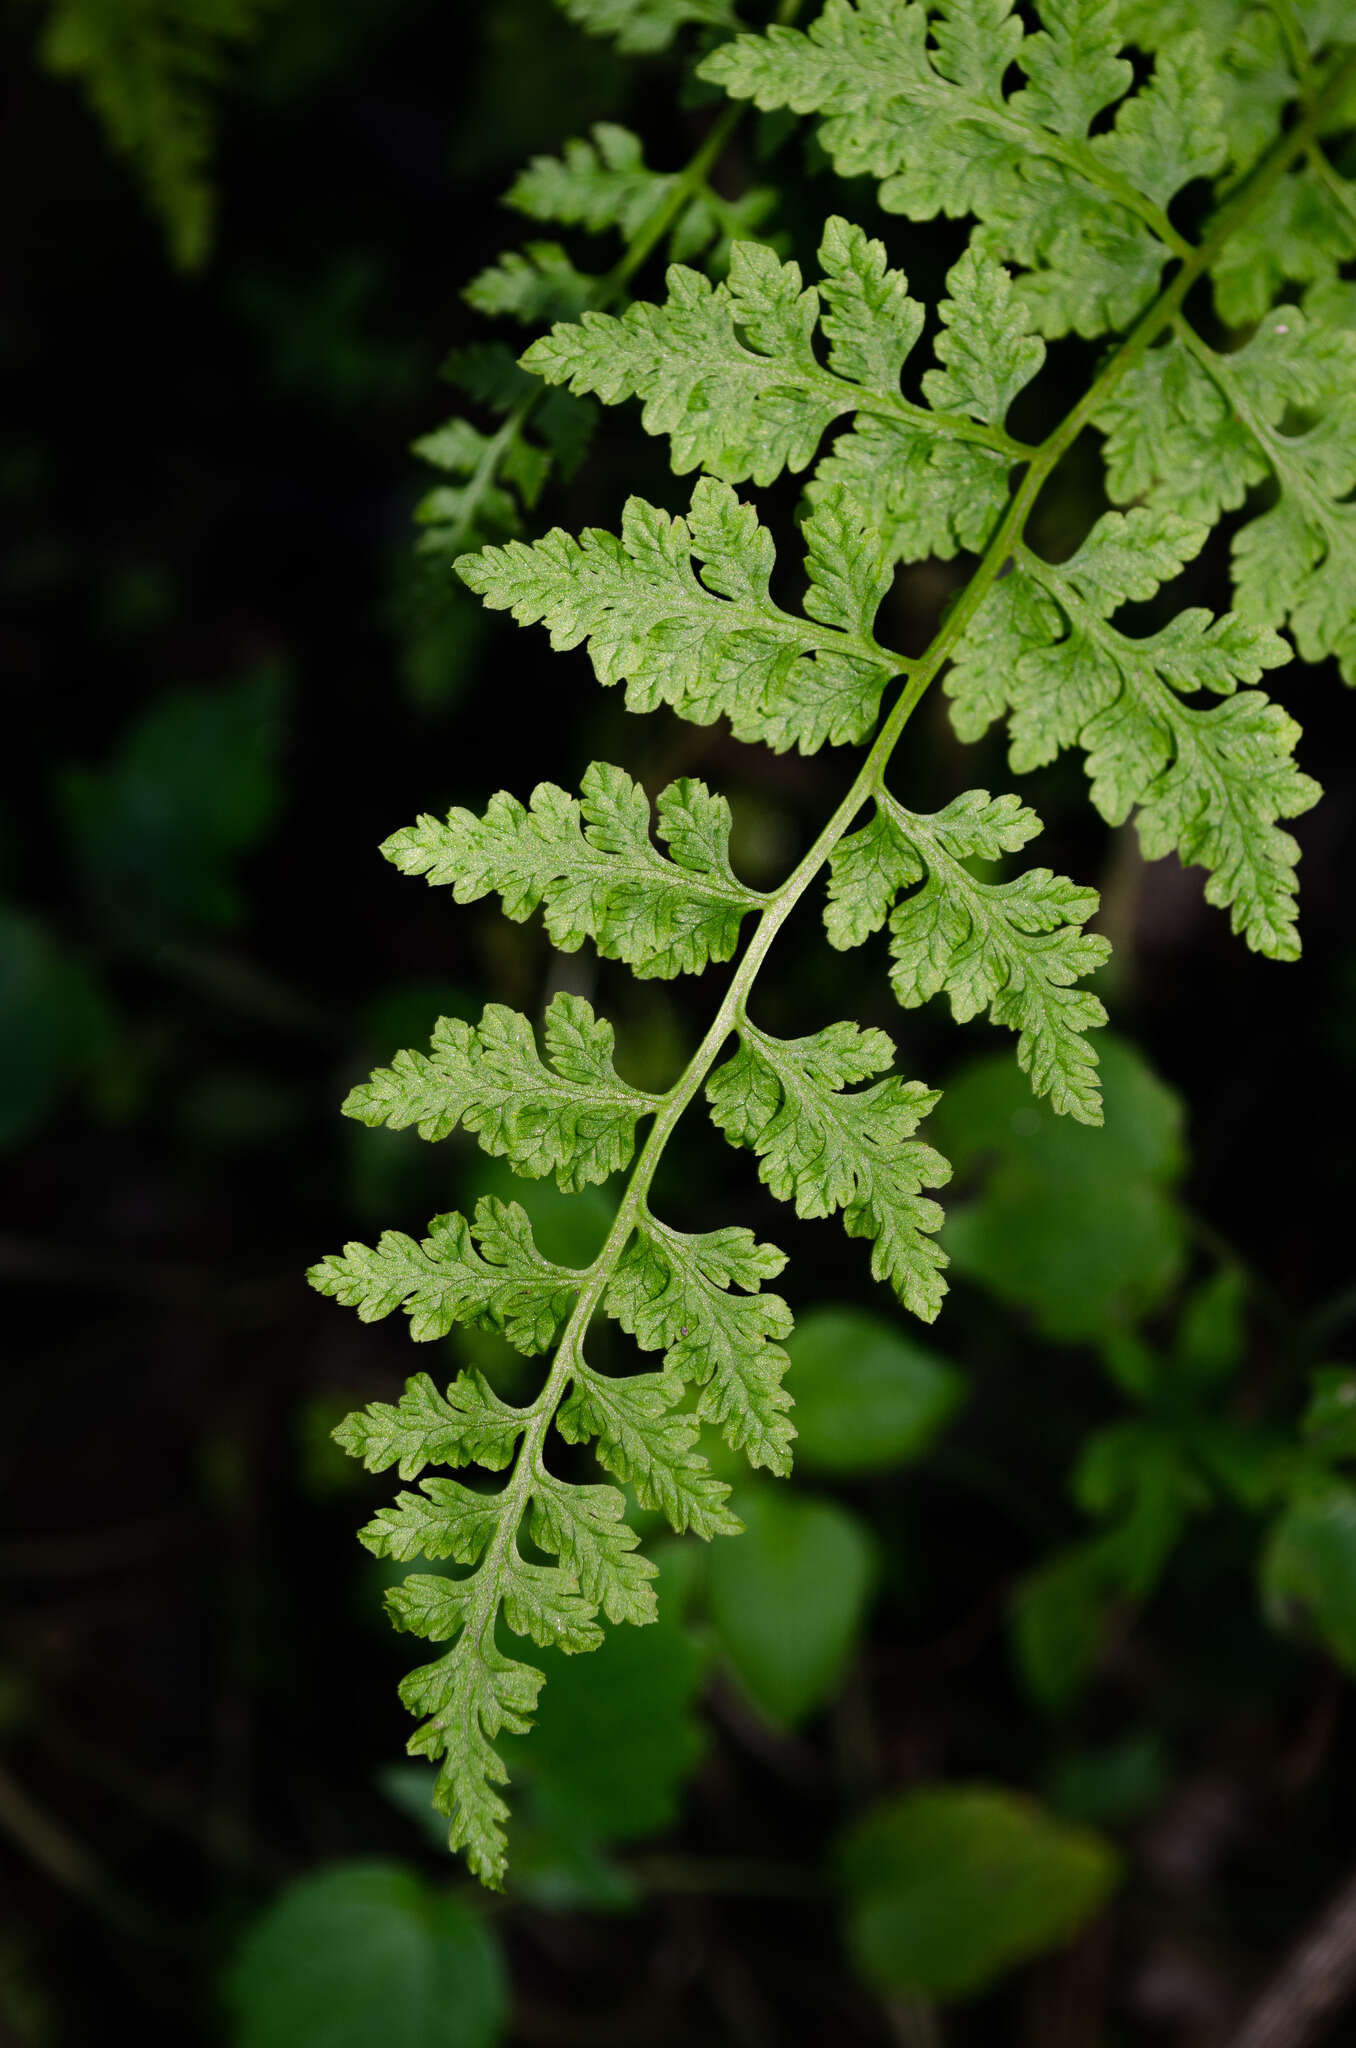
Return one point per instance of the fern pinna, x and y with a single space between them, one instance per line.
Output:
1070 178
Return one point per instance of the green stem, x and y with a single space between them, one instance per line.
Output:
867 783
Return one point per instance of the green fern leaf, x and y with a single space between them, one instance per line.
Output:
675 1294
826 1146
575 1118
1194 429
711 645
641 27
592 866
729 372
467 1424
499 1282
444 1520
913 96
1209 784
151 68
470 1696
1013 948
648 1445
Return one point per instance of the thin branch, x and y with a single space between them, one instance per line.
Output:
1316 1982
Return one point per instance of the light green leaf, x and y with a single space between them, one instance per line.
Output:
1194 429
1208 784
594 868
471 1695
470 1424
647 1444
729 372
532 285
499 1282
676 1293
914 98
825 1146
575 1118
641 27
712 647
1014 948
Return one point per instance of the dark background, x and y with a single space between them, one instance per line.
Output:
208 502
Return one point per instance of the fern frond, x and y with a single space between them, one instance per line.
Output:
1206 783
680 609
641 27
593 867
1069 178
913 96
151 70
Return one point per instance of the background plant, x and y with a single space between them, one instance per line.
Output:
1205 1733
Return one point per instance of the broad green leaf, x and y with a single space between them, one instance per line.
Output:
1329 1422
192 788
950 1886
789 1598
616 1737
1309 1571
366 1952
867 1397
1109 1787
1077 1227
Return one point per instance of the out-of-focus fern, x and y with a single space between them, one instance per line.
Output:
1070 180
151 70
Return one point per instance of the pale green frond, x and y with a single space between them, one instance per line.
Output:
641 27
592 867
647 1444
712 644
575 1118
1015 948
913 96
1206 783
731 373
488 1275
467 1425
699 1299
825 1145
1193 429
